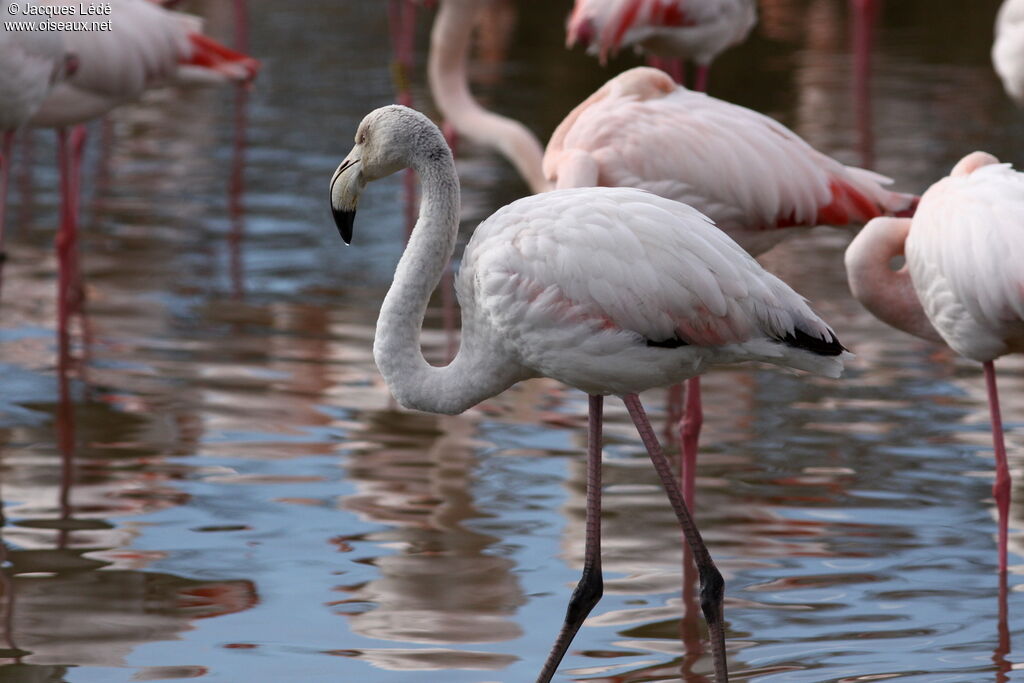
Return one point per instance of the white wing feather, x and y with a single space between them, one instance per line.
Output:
965 252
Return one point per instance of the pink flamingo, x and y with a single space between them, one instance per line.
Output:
671 31
756 179
146 47
449 86
609 290
33 62
962 284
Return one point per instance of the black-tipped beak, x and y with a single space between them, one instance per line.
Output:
344 211
344 220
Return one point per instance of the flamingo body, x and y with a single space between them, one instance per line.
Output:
748 173
611 290
595 286
691 29
1008 48
962 283
146 47
33 61
965 253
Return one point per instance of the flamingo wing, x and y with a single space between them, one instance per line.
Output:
743 169
618 271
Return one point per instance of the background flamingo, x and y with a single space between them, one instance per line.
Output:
756 179
33 62
609 290
449 86
671 31
962 283
146 47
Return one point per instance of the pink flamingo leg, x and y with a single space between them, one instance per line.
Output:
1001 487
999 655
712 587
591 585
5 172
700 82
66 238
864 12
241 26
689 436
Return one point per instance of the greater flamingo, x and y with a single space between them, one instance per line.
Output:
962 283
1008 48
449 87
671 31
33 62
146 46
609 290
756 179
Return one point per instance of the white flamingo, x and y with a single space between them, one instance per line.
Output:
609 290
669 30
962 285
1008 48
31 63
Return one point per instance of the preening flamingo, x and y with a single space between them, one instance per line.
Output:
449 87
146 46
609 290
962 284
31 63
670 30
756 179
1008 48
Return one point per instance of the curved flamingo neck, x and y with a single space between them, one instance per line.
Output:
477 371
888 294
449 86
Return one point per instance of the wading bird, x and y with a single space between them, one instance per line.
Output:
962 285
670 31
449 87
756 179
609 290
31 63
145 47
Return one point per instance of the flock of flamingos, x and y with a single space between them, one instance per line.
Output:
631 266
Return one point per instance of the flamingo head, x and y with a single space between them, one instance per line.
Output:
388 139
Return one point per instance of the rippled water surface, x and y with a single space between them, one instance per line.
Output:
218 486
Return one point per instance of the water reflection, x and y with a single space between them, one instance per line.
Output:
234 455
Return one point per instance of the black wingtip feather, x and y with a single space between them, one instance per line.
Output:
799 339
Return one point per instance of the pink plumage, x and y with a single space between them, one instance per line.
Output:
697 30
146 47
747 172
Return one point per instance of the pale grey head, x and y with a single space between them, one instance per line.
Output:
388 139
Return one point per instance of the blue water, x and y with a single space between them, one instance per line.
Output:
224 490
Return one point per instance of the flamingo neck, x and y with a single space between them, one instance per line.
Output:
478 371
449 86
888 294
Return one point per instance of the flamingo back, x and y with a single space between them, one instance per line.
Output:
694 29
747 172
618 290
33 61
964 253
146 46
